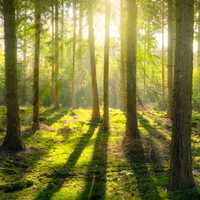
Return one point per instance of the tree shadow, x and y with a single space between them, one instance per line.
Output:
48 117
151 130
95 187
190 194
135 154
52 115
59 175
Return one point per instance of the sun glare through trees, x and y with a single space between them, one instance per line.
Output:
99 99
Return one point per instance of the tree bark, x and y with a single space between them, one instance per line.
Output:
36 125
106 67
12 140
62 35
170 57
123 96
74 54
131 124
53 54
56 72
198 52
24 90
80 31
95 98
181 159
163 52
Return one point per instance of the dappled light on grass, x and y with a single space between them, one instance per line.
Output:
74 159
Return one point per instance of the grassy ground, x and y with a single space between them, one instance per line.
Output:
70 158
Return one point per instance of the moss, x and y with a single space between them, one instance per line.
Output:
16 186
70 154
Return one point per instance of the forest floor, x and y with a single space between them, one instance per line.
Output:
69 158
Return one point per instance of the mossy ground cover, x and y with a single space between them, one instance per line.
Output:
70 158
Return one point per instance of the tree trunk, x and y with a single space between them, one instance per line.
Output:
24 92
145 62
95 98
12 141
163 52
106 67
56 73
36 125
62 35
198 52
80 31
53 54
170 58
74 54
123 96
181 159
131 124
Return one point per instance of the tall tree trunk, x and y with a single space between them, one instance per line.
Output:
123 16
24 92
131 124
106 66
80 31
95 97
53 54
62 35
56 73
12 141
144 62
74 54
170 58
198 52
36 67
181 159
163 52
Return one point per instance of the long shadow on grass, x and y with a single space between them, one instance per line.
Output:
96 176
152 131
52 115
191 194
59 176
48 117
135 154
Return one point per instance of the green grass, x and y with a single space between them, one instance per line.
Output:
70 158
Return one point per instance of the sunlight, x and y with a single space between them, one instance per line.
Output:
95 95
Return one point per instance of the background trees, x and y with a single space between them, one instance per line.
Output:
147 49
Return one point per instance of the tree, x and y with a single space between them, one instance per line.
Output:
95 97
181 159
106 66
12 141
163 51
74 53
53 53
131 123
198 40
36 125
170 57
62 33
56 71
123 55
24 92
80 34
